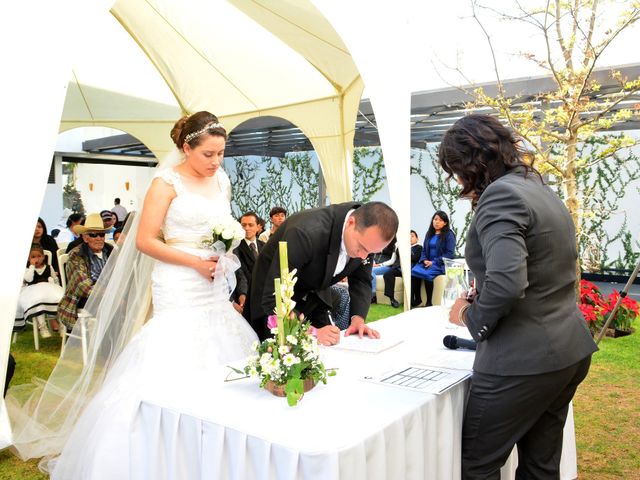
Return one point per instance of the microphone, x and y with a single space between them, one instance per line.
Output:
453 342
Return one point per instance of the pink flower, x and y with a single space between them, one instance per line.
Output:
272 322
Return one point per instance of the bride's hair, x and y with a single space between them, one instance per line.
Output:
190 128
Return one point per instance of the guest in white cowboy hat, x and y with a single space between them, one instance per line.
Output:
84 266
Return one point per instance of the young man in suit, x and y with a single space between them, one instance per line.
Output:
325 245
247 252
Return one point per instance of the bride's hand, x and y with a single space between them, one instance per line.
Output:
206 267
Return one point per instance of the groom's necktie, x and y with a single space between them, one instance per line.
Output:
253 248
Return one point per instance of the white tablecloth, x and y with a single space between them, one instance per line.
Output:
347 429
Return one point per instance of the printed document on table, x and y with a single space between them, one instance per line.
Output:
421 378
366 344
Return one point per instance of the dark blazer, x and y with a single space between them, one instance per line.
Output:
247 262
521 248
416 251
313 238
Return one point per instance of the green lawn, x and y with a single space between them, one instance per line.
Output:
606 407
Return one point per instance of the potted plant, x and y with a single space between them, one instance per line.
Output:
596 309
287 364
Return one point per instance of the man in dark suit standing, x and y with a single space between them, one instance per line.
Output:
325 245
247 253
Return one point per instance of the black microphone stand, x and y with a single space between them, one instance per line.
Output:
623 294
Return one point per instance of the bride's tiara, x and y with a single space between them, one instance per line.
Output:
208 127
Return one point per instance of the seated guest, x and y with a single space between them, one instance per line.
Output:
109 219
439 243
46 241
77 241
41 293
395 271
247 252
84 266
277 216
116 235
66 235
382 263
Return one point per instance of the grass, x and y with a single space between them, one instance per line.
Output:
607 412
606 406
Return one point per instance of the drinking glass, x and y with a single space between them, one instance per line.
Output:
455 285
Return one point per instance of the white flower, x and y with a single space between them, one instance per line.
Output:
265 359
273 367
255 345
292 340
290 359
253 372
227 233
274 331
283 349
252 361
307 346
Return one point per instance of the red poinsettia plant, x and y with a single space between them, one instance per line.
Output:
596 307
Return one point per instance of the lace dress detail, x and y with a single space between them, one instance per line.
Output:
194 330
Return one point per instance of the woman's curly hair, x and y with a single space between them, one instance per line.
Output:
478 149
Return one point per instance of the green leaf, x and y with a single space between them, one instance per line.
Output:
294 390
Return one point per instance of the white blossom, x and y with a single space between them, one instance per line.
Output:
283 349
290 359
292 340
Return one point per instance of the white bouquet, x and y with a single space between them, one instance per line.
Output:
224 231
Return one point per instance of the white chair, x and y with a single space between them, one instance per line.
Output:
61 251
84 317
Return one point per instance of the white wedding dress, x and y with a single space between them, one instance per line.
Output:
194 329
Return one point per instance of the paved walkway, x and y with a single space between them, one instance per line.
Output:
606 288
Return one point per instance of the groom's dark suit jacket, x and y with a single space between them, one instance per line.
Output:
247 262
313 238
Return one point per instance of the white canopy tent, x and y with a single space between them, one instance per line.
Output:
239 59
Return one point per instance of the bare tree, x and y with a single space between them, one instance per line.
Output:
555 123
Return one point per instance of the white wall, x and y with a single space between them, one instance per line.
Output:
100 184
109 181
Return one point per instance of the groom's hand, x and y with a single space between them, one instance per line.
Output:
358 326
328 335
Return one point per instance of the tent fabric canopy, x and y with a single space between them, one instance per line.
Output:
238 59
142 64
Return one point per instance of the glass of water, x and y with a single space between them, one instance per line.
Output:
449 297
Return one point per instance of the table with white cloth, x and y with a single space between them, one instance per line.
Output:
349 428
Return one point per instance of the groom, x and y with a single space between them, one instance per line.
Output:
325 245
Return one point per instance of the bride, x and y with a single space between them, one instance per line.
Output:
194 326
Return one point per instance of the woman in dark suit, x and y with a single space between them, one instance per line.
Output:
439 243
534 347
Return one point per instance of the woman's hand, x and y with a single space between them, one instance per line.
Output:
428 263
454 313
206 267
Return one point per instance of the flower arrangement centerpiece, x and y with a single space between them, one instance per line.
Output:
224 232
287 364
596 308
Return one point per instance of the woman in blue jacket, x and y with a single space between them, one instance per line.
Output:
439 243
